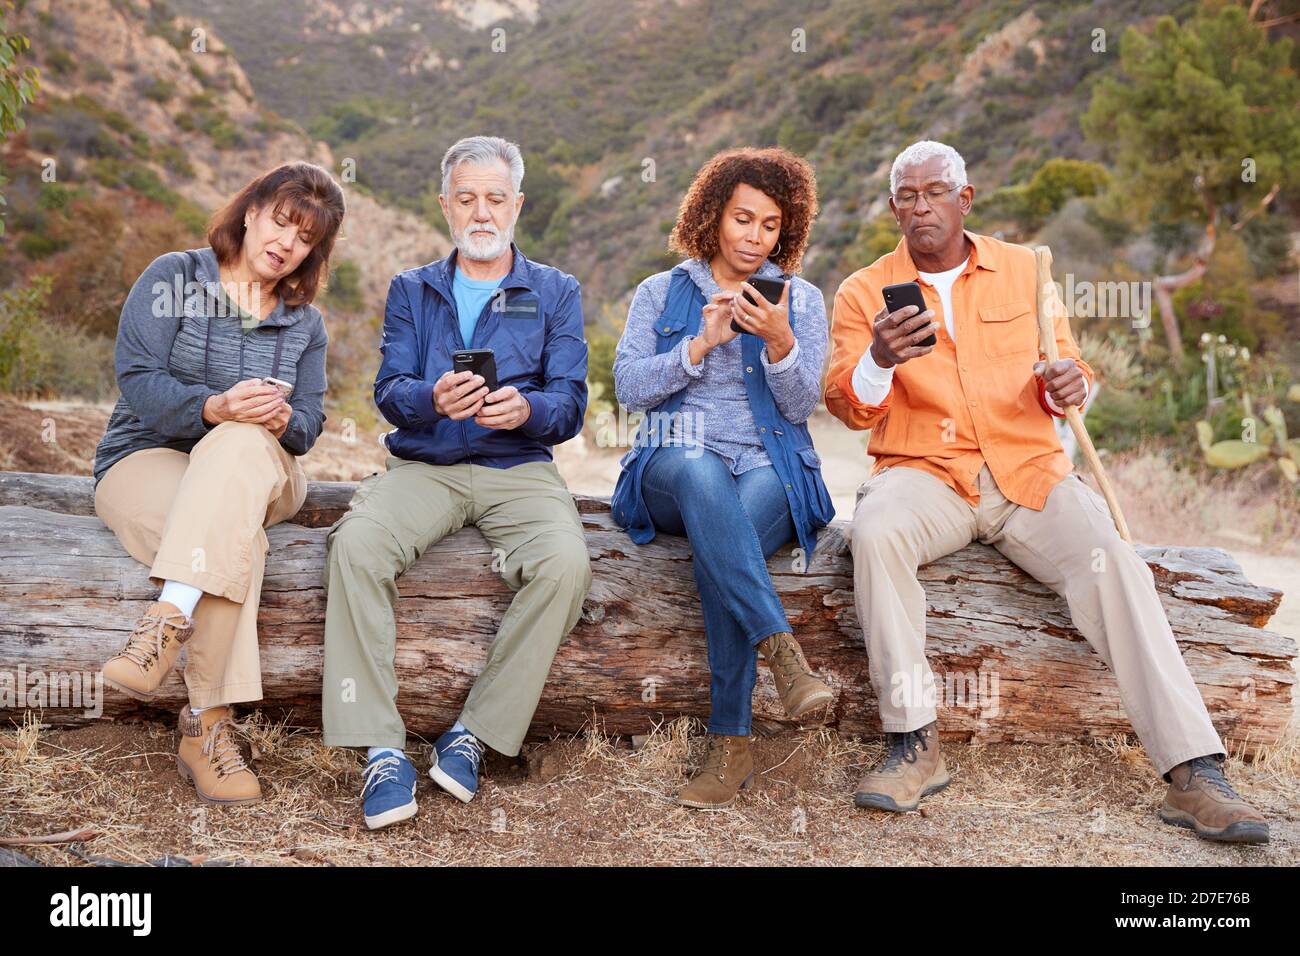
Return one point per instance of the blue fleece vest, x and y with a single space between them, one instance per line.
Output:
788 444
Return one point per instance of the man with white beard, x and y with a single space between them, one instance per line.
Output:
464 452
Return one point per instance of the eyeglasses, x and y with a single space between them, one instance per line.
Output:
906 198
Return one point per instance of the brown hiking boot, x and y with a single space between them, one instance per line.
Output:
150 651
728 767
912 769
800 691
1201 799
209 758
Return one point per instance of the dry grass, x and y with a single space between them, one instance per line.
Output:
592 799
1171 505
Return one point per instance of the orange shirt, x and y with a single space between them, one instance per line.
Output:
969 402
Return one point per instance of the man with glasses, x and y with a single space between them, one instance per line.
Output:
965 449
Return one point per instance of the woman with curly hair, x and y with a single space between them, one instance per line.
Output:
724 456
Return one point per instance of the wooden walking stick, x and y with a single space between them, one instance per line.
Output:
1047 345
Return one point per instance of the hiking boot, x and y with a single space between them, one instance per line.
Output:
150 651
912 769
728 767
799 690
209 758
1201 799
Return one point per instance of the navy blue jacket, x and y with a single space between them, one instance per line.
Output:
533 324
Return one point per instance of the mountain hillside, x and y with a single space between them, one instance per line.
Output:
617 103
128 103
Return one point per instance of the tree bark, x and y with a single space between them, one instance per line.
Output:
1010 667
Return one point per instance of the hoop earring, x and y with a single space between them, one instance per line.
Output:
777 250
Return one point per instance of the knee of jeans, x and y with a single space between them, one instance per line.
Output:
360 541
699 478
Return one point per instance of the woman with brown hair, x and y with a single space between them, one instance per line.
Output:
724 456
220 360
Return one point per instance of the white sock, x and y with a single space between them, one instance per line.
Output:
458 727
195 711
184 596
374 752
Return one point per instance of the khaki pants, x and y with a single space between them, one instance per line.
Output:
199 519
906 518
528 518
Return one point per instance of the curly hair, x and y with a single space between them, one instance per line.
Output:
778 173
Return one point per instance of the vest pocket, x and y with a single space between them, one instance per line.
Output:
821 509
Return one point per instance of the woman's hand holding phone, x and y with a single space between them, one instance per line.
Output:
278 422
770 321
251 400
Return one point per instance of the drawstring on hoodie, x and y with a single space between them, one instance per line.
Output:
207 346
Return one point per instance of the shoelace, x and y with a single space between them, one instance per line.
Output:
468 746
786 659
149 637
902 749
1208 769
383 769
715 758
221 750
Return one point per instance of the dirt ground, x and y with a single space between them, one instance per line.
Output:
592 799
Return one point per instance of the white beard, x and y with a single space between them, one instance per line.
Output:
482 247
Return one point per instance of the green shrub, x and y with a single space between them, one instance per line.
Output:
344 288
41 359
60 62
39 245
157 89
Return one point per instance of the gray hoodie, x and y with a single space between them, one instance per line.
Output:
179 340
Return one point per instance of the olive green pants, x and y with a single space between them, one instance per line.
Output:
529 520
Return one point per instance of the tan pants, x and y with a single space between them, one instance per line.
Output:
199 519
905 518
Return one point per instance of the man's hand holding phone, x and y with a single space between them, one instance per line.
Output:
504 408
458 395
896 336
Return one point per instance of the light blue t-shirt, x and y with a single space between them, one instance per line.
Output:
471 295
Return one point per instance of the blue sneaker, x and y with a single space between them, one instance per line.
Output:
457 755
389 791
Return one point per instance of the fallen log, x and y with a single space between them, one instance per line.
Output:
1009 665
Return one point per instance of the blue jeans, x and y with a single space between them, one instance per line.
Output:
734 523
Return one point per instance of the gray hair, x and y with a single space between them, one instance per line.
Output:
481 150
954 165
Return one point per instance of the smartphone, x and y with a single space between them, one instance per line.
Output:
901 296
480 362
771 290
285 388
